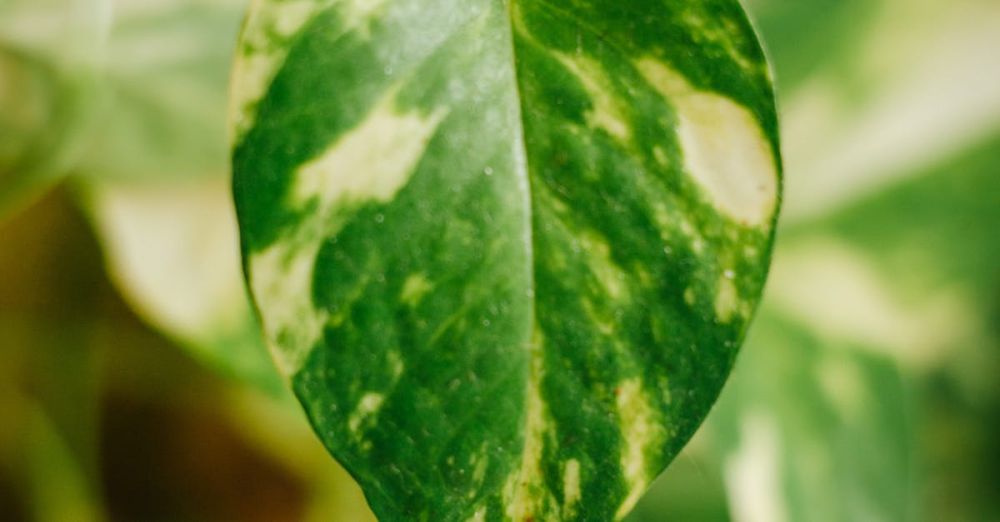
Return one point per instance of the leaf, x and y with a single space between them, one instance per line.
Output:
893 100
828 435
50 64
168 70
154 182
504 253
171 250
931 304
865 313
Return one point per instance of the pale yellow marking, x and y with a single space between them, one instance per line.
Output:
838 291
610 276
395 364
724 148
753 475
281 278
642 435
270 20
414 289
479 515
524 492
604 324
368 406
253 72
660 155
689 296
371 162
480 466
605 112
727 299
664 220
720 31
571 487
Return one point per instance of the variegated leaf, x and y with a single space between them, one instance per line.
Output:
152 181
505 252
51 62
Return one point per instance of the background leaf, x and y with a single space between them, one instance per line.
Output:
153 181
51 59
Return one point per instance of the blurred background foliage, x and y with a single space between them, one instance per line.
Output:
133 385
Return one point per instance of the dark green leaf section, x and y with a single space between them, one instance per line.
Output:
505 252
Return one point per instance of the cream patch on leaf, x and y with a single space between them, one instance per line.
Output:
269 26
370 162
524 492
479 515
642 436
373 161
752 473
281 278
727 299
608 274
367 407
414 289
725 150
359 13
268 22
605 111
571 487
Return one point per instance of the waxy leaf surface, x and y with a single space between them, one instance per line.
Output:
504 252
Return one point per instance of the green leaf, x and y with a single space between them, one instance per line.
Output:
171 250
866 313
504 253
51 56
154 182
168 69
827 436
830 433
890 95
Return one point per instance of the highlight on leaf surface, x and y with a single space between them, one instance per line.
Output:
504 252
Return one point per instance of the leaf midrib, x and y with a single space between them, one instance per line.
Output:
523 166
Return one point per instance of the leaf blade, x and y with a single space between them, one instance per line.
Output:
488 241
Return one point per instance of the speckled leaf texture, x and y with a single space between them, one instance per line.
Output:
505 252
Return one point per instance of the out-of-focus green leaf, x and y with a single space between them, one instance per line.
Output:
168 66
51 57
918 261
171 249
898 84
154 181
907 279
505 252
932 247
49 371
802 44
814 431
60 488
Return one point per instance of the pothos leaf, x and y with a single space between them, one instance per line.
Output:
51 59
505 252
